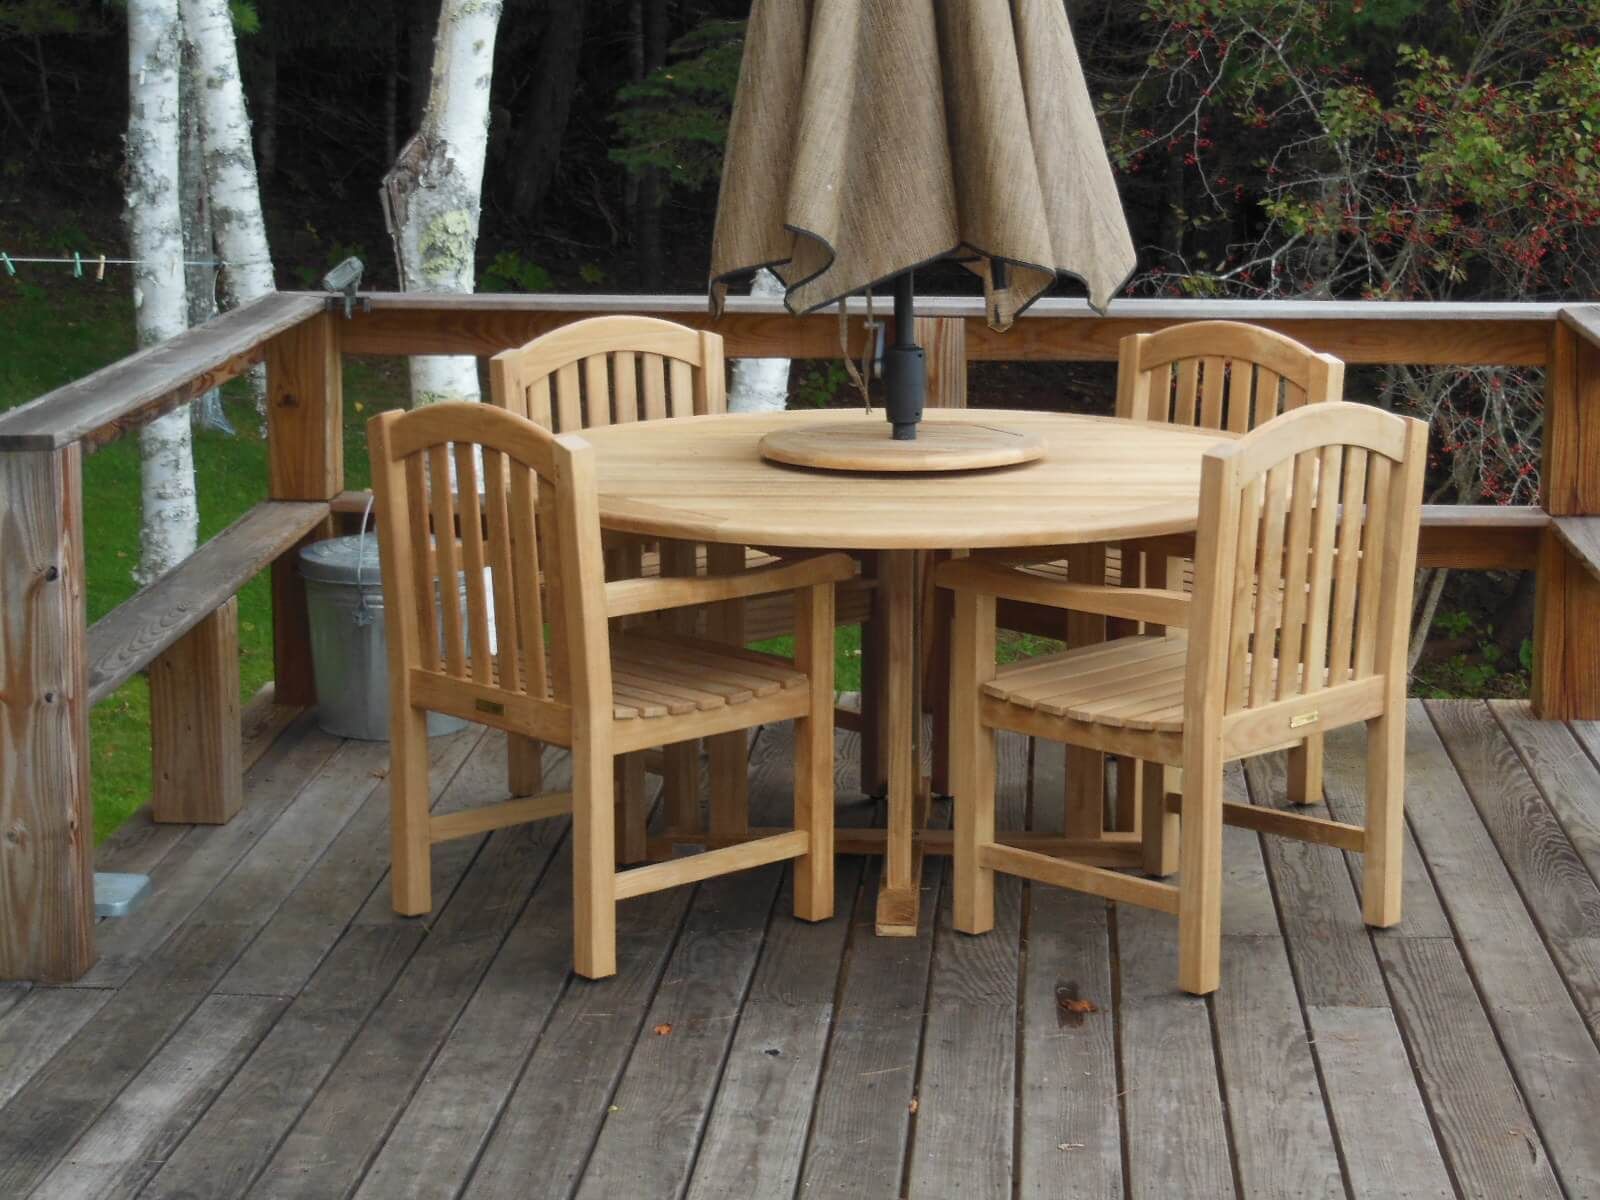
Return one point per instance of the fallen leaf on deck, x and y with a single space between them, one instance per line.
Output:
663 1029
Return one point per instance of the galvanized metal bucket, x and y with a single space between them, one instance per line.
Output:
349 654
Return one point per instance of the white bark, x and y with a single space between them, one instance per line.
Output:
760 384
230 162
170 523
433 192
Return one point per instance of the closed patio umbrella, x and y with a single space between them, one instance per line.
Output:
870 137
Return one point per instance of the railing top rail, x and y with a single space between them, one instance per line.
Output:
971 307
101 407
109 403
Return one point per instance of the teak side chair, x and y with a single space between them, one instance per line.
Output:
535 514
1223 375
614 369
1306 548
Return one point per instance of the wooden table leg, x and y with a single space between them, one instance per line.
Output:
900 892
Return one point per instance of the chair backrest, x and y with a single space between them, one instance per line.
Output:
1220 375
532 513
1306 550
606 370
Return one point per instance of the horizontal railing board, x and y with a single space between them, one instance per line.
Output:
101 407
132 635
1052 330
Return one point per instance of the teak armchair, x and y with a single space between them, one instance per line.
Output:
545 665
1297 622
615 369
1223 375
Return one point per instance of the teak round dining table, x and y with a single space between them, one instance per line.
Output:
702 479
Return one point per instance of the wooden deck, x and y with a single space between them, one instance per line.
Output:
264 1026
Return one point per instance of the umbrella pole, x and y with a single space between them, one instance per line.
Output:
905 370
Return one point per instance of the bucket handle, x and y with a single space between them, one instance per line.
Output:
361 616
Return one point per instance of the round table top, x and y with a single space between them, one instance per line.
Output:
702 479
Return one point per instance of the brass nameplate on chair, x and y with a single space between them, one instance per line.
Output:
495 708
1310 718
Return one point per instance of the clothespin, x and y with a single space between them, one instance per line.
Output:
77 265
100 271
11 267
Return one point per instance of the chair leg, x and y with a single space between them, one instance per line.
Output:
594 895
813 812
524 765
972 761
813 754
410 847
1200 881
629 782
1158 827
1384 843
1305 772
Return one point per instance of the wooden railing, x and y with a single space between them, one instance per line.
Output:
54 666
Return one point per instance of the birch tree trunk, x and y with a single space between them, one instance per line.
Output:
170 518
431 195
760 384
200 277
230 162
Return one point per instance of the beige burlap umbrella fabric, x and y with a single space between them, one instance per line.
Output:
872 136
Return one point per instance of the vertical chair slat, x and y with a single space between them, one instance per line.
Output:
1244 595
1266 396
525 576
1347 562
1294 396
1319 582
1369 590
1269 584
682 399
1214 375
501 572
473 562
597 391
449 572
556 660
568 399
422 560
653 368
539 411
1241 383
1184 411
625 386
1291 638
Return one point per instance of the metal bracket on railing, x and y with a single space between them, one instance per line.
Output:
117 894
346 278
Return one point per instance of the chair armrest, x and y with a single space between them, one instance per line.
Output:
1160 606
625 597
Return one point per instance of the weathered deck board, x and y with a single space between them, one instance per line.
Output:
1477 868
267 1026
970 1033
755 1138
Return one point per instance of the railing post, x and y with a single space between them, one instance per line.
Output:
305 431
197 774
1566 627
46 824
